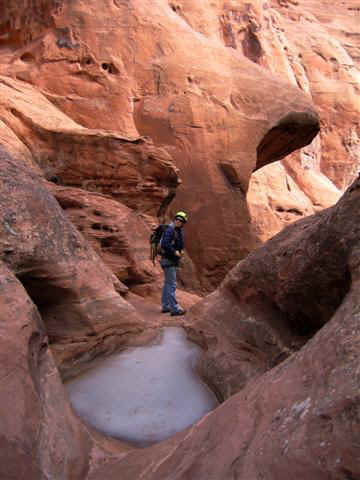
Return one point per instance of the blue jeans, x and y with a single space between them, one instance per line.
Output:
168 298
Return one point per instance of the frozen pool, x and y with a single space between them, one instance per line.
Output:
145 394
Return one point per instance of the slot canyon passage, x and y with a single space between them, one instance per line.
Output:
112 118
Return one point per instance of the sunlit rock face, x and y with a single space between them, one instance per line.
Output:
166 71
316 46
200 81
146 394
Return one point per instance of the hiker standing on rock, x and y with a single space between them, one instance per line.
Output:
172 245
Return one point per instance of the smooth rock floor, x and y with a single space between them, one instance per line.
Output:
145 394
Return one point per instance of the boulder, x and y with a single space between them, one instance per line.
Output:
277 298
40 435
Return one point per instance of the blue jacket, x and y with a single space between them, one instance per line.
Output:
172 240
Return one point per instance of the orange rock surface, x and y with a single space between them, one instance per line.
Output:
184 75
107 111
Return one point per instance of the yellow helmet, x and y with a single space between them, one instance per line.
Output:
181 216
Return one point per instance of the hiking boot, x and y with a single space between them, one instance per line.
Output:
178 312
165 310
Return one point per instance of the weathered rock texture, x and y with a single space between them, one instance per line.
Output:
178 72
273 301
172 72
116 232
96 164
315 46
301 416
40 436
132 170
76 295
101 107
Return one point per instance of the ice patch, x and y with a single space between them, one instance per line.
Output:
145 394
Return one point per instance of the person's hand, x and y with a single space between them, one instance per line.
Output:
177 253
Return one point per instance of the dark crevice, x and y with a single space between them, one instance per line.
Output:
294 211
107 242
251 46
165 203
87 60
294 131
110 68
27 57
288 184
67 203
302 326
47 295
40 289
231 177
38 346
105 228
308 310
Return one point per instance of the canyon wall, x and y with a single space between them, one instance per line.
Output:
214 85
281 337
116 113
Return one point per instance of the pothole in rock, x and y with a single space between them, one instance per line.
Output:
145 394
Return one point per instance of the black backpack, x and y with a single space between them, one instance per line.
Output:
155 241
